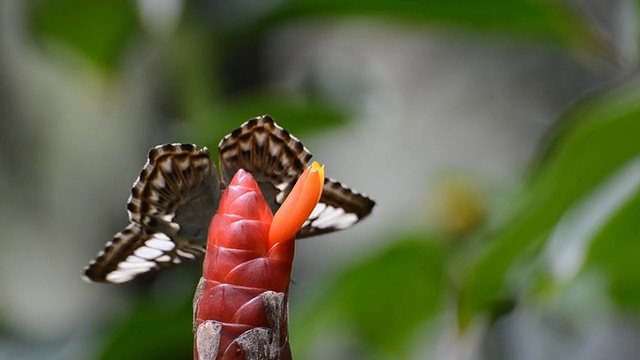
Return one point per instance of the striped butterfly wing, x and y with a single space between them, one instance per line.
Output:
276 159
339 208
177 193
170 207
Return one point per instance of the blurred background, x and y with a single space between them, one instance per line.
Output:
500 139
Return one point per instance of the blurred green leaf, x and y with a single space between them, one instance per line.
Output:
214 114
545 20
297 115
159 325
153 331
383 299
616 252
99 30
597 137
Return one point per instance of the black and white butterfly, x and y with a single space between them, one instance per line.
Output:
177 193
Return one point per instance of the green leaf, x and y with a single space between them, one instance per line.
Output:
153 331
159 325
99 30
616 252
551 21
212 115
383 299
597 138
298 115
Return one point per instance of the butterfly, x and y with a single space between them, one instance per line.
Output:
177 193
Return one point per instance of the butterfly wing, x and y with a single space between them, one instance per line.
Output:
135 251
276 159
339 208
273 156
177 193
170 207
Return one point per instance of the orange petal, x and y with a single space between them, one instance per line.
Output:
297 207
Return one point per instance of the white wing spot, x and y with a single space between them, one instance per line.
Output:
161 236
345 221
145 265
147 253
132 272
164 245
185 254
327 215
164 258
119 276
334 217
133 259
317 210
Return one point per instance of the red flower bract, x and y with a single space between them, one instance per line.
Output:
250 254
